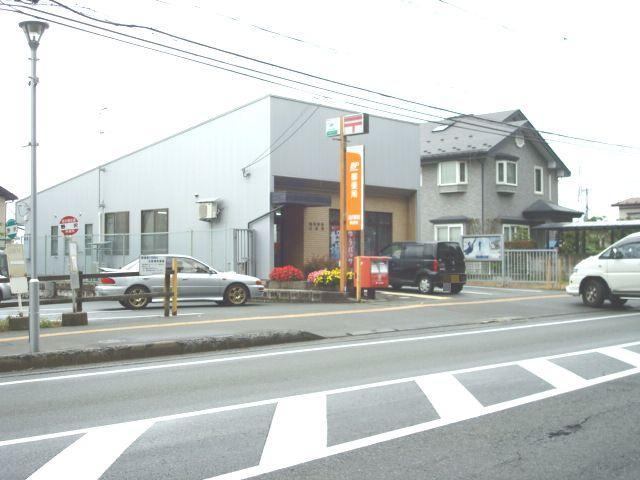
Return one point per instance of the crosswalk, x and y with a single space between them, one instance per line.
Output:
284 432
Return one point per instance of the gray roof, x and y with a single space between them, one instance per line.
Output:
543 206
450 219
470 136
599 225
629 202
6 194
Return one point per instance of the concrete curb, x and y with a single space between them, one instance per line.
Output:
303 296
61 358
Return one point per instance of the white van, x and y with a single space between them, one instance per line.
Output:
613 274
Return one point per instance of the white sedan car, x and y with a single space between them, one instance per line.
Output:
195 280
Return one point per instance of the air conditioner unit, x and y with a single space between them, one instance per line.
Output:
208 210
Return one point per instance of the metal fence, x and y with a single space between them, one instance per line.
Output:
518 266
223 249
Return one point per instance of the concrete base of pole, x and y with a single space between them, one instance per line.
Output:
74 319
34 315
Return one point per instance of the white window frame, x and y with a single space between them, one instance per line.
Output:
511 226
449 227
535 173
457 182
505 163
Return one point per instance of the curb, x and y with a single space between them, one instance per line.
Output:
286 295
61 358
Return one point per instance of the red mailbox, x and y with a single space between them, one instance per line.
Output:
374 272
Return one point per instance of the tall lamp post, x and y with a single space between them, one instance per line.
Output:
34 30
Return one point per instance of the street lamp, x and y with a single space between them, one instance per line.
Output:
34 30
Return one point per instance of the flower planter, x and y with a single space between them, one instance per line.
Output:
289 285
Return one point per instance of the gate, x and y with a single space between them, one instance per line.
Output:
243 251
538 266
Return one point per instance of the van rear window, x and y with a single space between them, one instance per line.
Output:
450 250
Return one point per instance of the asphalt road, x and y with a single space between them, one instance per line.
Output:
552 397
110 324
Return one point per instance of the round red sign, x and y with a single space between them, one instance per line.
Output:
69 225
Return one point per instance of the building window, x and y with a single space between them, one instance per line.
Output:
449 233
538 184
507 173
513 233
155 231
452 173
88 236
116 232
54 241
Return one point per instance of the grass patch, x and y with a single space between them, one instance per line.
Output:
44 323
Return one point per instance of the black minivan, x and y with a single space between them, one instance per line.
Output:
426 266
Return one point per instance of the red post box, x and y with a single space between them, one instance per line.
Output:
374 272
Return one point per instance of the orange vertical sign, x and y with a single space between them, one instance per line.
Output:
354 180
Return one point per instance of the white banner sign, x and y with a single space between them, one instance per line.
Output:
152 265
482 247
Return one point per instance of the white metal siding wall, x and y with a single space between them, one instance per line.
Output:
391 149
204 160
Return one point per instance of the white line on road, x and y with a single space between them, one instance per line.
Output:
449 397
92 454
298 430
553 374
141 316
509 289
476 293
385 383
191 363
626 356
414 295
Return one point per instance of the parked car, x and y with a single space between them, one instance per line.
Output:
5 291
614 274
426 266
196 279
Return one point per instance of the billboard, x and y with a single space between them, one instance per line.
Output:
482 247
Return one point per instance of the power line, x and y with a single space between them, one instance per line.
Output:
324 79
478 127
270 150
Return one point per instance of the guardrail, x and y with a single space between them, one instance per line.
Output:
79 299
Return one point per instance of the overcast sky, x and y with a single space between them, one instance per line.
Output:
570 66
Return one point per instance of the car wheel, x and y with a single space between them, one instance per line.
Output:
137 303
425 285
236 294
593 293
456 288
616 301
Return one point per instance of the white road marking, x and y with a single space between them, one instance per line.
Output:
476 293
624 355
271 401
92 454
254 356
413 295
298 430
508 289
555 375
140 316
449 397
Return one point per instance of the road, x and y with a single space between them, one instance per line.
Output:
552 396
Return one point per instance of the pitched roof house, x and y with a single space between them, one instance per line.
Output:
491 173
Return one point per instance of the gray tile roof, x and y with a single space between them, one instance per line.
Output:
7 195
543 207
629 202
475 135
